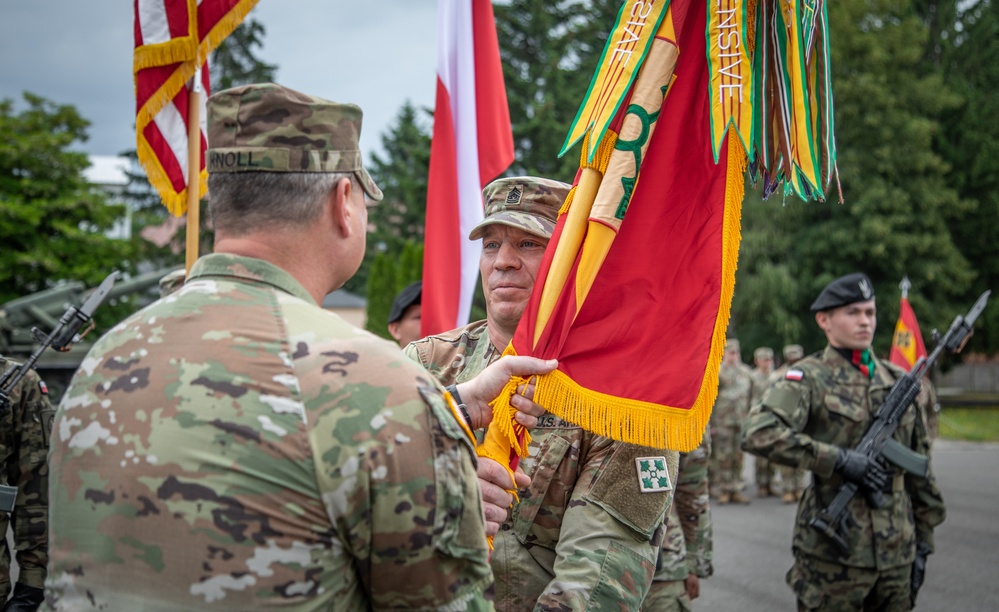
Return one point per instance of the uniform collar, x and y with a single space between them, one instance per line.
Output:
248 269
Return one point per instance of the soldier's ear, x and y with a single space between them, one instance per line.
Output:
340 206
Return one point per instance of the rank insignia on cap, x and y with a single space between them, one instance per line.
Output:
794 375
865 289
652 474
43 387
514 196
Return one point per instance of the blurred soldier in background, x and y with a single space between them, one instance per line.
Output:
792 478
686 555
735 388
25 424
404 318
763 359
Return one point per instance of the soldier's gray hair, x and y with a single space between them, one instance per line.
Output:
244 202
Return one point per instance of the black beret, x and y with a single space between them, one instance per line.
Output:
406 298
844 290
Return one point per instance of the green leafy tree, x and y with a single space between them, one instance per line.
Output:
390 274
969 141
52 221
381 292
550 50
401 172
898 201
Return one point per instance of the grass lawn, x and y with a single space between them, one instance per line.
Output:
973 424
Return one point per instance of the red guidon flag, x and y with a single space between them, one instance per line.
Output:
172 39
907 343
472 144
634 292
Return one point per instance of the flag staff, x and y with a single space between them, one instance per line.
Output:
193 170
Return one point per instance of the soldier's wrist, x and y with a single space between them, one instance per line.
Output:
462 408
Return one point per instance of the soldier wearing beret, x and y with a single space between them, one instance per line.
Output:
234 445
585 534
735 390
25 425
404 318
813 418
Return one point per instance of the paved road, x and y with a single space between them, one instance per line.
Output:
752 551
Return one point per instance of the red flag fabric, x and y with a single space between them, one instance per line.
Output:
472 144
172 39
907 343
639 328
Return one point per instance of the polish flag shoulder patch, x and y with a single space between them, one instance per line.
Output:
43 387
794 375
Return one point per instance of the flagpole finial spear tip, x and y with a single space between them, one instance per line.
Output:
904 286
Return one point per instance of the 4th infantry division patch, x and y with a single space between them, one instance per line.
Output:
652 474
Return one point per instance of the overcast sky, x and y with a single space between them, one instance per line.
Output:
374 54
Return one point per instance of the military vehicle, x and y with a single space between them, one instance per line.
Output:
43 309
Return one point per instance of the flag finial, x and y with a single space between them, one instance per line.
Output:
904 286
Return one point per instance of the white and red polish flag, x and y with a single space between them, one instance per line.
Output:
472 144
173 38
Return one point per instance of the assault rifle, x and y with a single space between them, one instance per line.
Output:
877 442
62 338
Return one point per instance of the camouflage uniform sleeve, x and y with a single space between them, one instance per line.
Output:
609 538
775 430
927 502
692 506
33 424
406 505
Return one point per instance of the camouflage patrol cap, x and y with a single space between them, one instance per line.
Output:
849 289
764 352
529 203
732 344
270 128
793 351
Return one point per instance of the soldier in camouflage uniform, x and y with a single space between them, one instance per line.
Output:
813 418
584 535
763 359
234 445
735 388
686 554
24 444
792 479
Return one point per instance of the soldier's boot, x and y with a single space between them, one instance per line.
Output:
789 497
724 498
798 494
764 491
738 498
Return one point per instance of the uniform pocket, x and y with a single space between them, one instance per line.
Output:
526 511
845 407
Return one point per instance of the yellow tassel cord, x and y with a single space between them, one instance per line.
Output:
568 201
